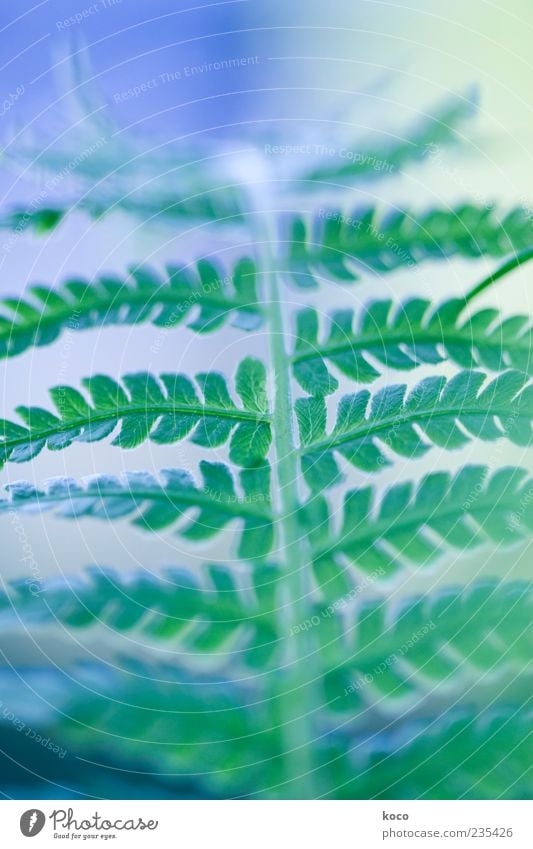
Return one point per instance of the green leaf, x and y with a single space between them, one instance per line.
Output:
145 408
437 646
157 714
40 221
345 245
463 753
212 298
370 652
447 413
155 504
413 524
403 337
250 383
433 133
204 613
172 185
395 692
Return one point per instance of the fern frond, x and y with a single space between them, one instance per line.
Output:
438 130
165 410
170 723
342 246
384 654
149 718
155 505
217 621
283 679
463 511
449 640
462 754
217 207
78 305
156 715
39 221
413 524
448 412
402 337
118 171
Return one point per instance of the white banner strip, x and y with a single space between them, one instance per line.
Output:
269 824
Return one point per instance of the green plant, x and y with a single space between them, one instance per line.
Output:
298 677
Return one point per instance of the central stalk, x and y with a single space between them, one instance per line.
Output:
296 699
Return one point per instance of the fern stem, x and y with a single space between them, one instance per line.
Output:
410 336
140 495
505 268
119 413
295 697
417 516
419 416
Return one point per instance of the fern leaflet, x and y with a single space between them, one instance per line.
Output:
439 129
414 524
344 246
78 305
368 651
164 410
436 406
156 505
404 337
